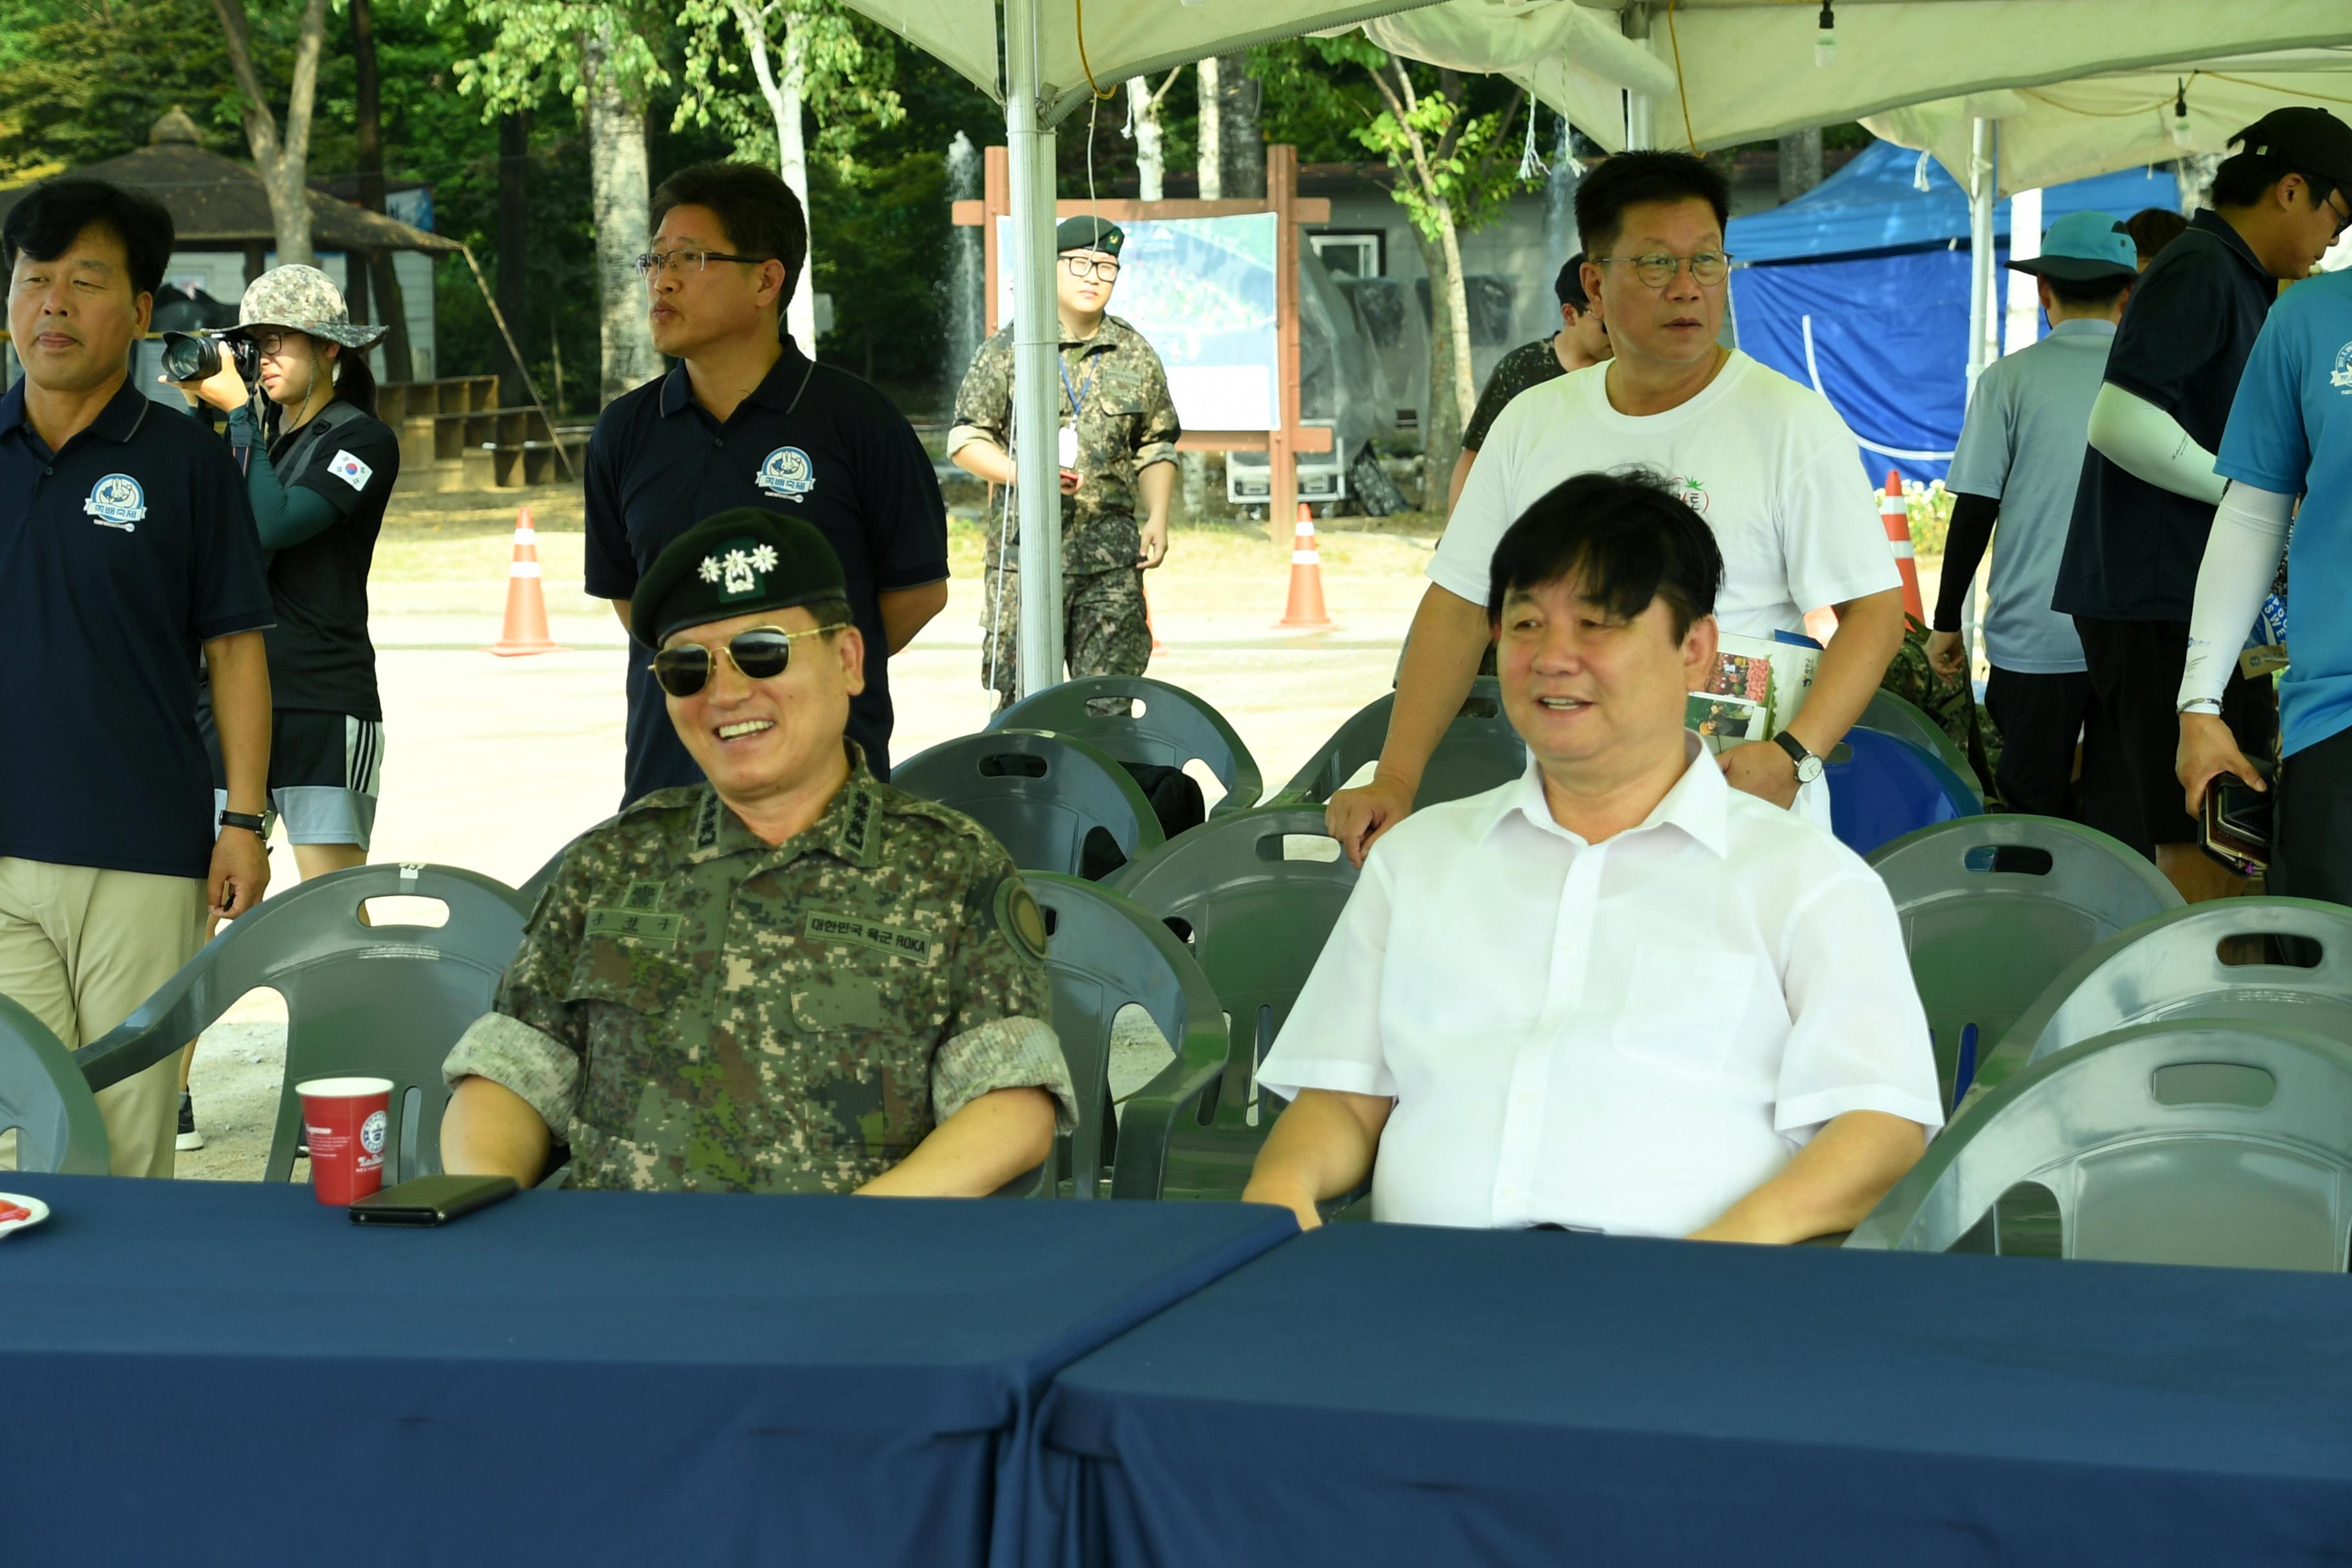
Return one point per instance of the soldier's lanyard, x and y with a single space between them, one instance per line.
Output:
1069 437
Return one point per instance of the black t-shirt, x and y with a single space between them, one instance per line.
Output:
320 654
812 440
120 557
2133 549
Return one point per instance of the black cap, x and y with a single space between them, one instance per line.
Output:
2311 141
732 565
1088 233
1570 284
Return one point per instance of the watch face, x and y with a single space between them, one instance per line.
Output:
1809 770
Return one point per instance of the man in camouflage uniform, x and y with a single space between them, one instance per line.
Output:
788 978
1118 445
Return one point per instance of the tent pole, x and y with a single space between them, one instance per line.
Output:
1982 184
1640 108
1037 348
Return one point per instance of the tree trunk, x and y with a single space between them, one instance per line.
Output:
282 163
1801 162
1449 402
375 267
514 246
622 208
1209 158
1151 151
782 92
1241 144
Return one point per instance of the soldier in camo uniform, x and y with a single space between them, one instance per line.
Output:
790 978
1118 445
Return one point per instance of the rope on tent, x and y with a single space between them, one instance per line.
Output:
1681 89
1091 82
1532 163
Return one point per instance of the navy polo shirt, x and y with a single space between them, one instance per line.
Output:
120 556
811 440
2133 549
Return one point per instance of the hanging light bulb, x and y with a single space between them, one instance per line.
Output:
1825 40
2184 135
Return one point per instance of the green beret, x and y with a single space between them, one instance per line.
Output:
732 565
1088 233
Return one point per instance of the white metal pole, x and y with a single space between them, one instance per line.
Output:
1036 345
2024 324
1982 187
1640 108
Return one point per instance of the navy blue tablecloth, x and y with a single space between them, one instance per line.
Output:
1386 1394
196 1372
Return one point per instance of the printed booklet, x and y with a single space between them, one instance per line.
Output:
1759 684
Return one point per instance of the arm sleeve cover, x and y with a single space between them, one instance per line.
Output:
1964 547
2242 554
2149 444
283 517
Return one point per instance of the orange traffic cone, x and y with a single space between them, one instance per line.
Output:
526 627
1306 608
1896 516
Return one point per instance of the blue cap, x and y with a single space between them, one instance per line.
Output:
2083 247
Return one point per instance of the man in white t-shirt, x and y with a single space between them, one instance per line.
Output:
1617 994
1767 463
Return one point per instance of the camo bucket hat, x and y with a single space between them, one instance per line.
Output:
306 299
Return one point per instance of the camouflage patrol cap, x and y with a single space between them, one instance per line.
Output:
306 299
740 560
1088 233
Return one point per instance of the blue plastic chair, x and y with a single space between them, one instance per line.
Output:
1883 786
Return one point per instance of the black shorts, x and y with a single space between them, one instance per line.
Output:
2042 719
2135 668
325 770
2311 851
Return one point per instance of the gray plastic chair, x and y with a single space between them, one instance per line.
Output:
1255 922
2183 1141
1042 794
1479 750
1174 728
46 1102
2170 967
1993 910
383 1000
1104 952
1892 715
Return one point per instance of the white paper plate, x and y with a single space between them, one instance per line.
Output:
39 1210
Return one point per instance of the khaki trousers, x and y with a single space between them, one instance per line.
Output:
80 949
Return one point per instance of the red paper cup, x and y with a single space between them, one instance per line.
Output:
347 1120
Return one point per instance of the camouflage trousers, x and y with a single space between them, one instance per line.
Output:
1103 629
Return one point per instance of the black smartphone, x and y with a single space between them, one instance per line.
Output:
431 1200
2235 824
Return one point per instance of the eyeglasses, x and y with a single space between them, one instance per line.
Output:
269 345
687 259
761 654
1656 271
1088 266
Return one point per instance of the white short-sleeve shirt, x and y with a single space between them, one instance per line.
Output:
1767 462
1628 1036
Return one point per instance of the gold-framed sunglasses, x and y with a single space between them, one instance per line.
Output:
761 654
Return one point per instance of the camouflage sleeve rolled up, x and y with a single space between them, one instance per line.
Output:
529 1041
997 1035
1156 442
983 405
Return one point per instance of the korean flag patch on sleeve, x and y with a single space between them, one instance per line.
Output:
350 471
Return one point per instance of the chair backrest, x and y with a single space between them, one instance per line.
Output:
1105 953
382 1001
1479 750
1174 728
1892 715
46 1101
1042 796
1883 787
2185 1142
2173 967
1995 908
1254 919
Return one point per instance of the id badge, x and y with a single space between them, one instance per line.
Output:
1070 448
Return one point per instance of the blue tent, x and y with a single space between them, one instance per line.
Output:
1860 288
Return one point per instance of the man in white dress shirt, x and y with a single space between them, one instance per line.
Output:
1619 994
1767 462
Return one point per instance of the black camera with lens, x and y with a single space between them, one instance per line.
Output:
196 356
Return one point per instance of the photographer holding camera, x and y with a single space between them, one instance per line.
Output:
292 377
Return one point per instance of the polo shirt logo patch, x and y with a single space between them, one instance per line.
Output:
2340 378
117 501
787 475
350 471
893 939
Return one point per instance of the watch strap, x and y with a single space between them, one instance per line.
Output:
251 821
1793 746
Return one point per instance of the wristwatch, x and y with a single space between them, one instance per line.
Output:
251 821
1809 766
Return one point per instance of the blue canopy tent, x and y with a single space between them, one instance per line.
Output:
1860 288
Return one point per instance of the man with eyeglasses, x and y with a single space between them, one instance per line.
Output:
790 977
746 418
1767 463
2144 510
1118 445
